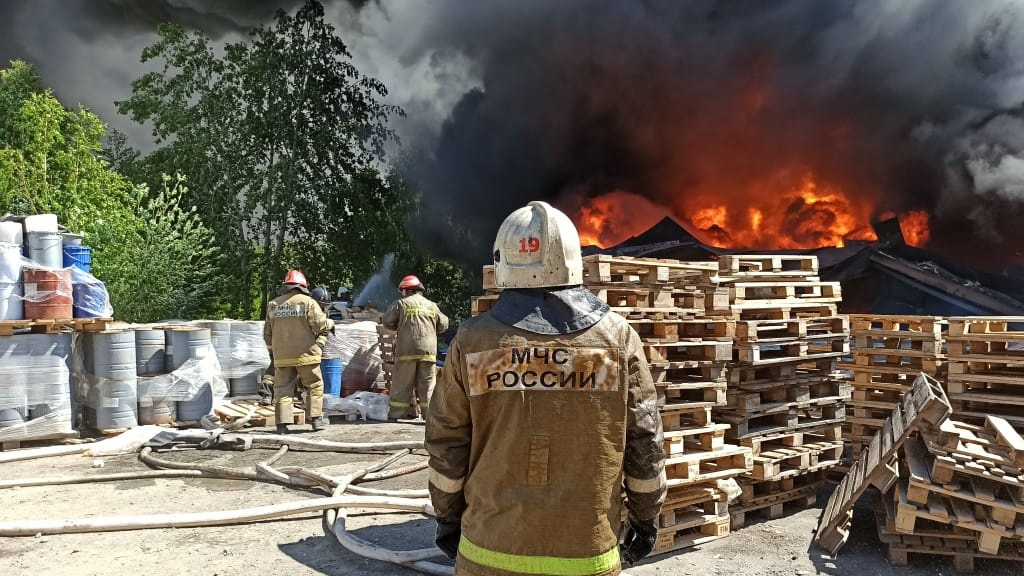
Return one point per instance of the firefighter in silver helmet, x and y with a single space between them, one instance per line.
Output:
545 412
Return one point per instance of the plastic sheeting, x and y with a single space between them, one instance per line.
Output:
368 405
35 386
94 302
352 338
197 376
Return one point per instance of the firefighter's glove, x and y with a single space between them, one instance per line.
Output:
639 540
317 349
449 532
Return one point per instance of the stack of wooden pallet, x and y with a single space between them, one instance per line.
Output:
785 401
887 355
986 368
688 347
948 488
960 493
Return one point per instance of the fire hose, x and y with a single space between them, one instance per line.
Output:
334 507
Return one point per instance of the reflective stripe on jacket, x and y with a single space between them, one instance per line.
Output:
531 438
294 321
417 321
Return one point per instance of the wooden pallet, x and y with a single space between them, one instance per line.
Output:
786 461
953 512
764 353
995 497
899 326
719 329
870 343
744 375
790 438
773 505
33 439
685 416
480 304
790 419
264 415
796 328
695 439
683 501
691 530
924 406
602 268
789 311
705 393
740 265
765 400
693 467
933 537
51 326
639 296
696 350
782 293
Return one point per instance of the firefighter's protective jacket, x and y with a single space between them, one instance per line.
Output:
418 322
294 322
531 438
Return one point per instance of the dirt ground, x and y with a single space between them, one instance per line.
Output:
298 547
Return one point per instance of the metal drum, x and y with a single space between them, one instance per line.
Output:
151 360
49 387
248 385
221 338
184 343
114 394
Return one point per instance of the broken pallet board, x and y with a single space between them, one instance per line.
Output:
923 406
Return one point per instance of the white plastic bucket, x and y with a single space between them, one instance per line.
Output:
11 305
69 239
45 248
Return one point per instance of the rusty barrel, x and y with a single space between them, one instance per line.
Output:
48 294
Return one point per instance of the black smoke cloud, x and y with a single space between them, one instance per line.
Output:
912 105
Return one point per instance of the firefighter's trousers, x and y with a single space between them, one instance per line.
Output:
411 376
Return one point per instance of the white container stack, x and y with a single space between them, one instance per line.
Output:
35 394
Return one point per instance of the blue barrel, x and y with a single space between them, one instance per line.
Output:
78 256
331 369
89 299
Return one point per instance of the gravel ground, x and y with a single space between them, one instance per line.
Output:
298 547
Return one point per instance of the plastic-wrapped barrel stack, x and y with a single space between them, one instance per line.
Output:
249 358
150 361
35 386
241 353
113 390
184 343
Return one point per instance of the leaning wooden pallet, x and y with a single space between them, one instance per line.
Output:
887 354
986 368
783 399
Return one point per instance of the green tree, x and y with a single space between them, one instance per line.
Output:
282 139
166 264
51 162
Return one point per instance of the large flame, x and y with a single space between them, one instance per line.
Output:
810 214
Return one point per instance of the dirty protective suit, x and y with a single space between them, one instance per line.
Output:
417 321
296 330
545 411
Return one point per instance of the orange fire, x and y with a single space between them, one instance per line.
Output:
810 214
609 219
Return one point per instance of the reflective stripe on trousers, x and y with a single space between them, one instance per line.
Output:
539 564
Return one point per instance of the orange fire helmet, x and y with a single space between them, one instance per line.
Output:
296 278
410 282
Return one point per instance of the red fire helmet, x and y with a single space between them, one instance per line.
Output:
297 278
410 282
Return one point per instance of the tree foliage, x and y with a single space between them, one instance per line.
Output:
281 138
51 162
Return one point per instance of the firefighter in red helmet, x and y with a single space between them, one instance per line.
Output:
417 321
296 331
